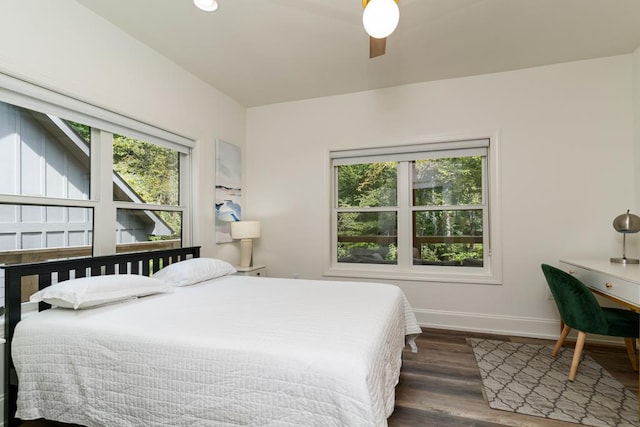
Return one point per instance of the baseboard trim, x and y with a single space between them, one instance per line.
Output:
529 327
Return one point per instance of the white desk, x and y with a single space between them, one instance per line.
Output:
617 282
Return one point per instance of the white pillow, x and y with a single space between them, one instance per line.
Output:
97 290
194 270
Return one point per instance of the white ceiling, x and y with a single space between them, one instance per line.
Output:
267 51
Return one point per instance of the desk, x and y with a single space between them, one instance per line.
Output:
617 282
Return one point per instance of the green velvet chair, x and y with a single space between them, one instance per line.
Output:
580 310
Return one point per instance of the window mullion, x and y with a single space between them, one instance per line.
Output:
147 206
186 197
405 227
486 212
18 199
334 217
104 215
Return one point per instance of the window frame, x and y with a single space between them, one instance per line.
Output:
104 124
490 273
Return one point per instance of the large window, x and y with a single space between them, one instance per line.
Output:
420 212
76 180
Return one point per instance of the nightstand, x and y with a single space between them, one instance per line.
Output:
254 270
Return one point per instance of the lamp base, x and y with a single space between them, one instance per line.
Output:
625 260
246 253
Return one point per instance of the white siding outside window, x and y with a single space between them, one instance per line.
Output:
58 185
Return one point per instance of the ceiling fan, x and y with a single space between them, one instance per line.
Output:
380 19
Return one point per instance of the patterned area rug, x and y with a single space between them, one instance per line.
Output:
525 378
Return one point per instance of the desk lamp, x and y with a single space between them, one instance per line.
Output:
626 223
245 231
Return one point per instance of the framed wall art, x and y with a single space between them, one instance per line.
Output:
228 190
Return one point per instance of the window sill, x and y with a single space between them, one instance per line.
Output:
467 276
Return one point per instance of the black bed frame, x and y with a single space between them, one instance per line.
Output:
143 263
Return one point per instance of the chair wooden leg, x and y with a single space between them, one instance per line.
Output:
577 352
563 336
631 351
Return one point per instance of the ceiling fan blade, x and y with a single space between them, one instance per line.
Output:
377 47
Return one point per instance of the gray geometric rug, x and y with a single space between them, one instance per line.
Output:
525 378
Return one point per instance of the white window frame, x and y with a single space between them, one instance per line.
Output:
490 273
104 124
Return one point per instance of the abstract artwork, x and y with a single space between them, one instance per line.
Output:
228 189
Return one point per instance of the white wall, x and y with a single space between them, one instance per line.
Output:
636 126
566 171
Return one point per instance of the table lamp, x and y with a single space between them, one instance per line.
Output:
626 223
245 231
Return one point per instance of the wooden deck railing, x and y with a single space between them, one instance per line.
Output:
419 240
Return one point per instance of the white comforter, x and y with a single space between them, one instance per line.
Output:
232 351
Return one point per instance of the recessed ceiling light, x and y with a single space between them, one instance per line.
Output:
206 5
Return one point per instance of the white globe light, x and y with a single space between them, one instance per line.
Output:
206 5
380 18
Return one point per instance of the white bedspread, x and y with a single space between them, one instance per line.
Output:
232 351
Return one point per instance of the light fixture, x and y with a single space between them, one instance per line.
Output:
380 17
245 231
206 5
626 224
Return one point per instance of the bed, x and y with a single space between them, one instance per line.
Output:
226 350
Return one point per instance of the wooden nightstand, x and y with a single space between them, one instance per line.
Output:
254 270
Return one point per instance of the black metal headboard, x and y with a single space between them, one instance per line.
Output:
143 263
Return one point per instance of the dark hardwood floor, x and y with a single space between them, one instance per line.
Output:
440 385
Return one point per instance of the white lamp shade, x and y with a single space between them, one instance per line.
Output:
245 230
206 5
380 18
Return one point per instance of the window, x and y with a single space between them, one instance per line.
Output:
76 180
150 174
419 212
